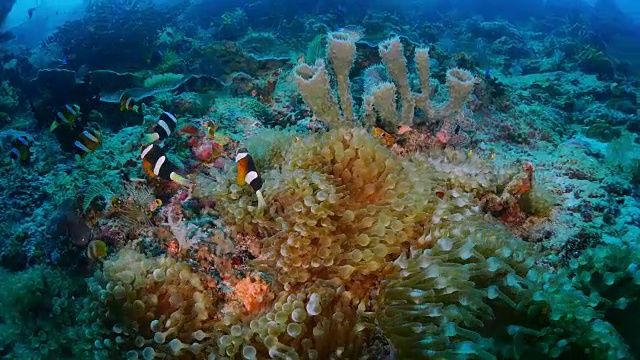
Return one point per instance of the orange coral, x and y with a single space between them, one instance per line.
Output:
253 292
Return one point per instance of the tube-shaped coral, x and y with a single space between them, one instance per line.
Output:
392 54
460 84
341 51
423 100
313 84
384 102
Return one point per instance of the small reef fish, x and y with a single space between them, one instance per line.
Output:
87 142
127 103
96 249
209 129
384 137
155 163
67 116
21 149
247 174
155 205
164 127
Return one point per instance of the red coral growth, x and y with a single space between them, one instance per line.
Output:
254 294
249 243
506 205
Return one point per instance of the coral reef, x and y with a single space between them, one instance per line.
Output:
449 183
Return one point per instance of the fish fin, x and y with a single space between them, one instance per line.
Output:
179 179
122 108
53 126
262 204
136 108
150 138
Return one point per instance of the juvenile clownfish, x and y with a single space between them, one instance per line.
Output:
384 137
87 142
67 116
209 129
155 163
21 149
127 103
247 174
164 127
96 249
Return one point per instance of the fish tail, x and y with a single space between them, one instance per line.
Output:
179 179
262 204
150 138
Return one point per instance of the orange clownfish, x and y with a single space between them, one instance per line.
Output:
247 174
164 127
87 142
21 149
96 249
155 163
384 137
127 103
209 129
68 116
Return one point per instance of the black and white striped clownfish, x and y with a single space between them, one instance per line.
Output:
68 116
164 127
156 164
87 142
21 149
247 174
127 103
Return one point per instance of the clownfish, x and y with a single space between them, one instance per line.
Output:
209 128
384 137
87 142
96 249
155 163
67 116
247 174
21 149
127 103
164 127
